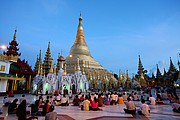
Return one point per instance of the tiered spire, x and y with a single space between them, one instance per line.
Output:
159 77
140 67
158 73
47 60
165 74
38 64
12 49
36 67
172 68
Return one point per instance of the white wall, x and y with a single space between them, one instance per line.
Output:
7 66
3 84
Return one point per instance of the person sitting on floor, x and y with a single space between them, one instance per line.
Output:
170 97
12 109
152 100
21 111
107 100
86 104
51 115
135 97
22 98
176 98
35 108
95 104
58 98
164 95
5 110
124 96
144 109
41 101
81 98
64 101
101 100
76 101
113 99
159 99
46 108
120 99
176 107
5 100
70 95
130 107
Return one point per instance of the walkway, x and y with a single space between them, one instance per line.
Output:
158 112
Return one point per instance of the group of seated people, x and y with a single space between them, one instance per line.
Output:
42 107
131 108
19 107
15 107
99 99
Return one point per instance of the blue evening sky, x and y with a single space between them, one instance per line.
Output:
116 31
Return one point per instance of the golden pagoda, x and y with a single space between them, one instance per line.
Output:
80 59
80 50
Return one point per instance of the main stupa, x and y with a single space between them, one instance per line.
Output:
80 54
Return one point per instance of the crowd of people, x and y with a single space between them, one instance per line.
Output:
87 101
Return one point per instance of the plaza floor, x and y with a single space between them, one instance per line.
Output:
158 112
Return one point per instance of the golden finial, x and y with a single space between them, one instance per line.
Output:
14 37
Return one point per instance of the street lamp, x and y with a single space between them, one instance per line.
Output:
3 47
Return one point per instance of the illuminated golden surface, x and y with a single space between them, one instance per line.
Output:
80 50
9 58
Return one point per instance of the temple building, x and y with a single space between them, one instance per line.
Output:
80 63
5 77
20 69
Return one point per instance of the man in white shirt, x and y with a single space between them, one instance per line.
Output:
152 100
113 99
124 96
144 109
64 101
5 100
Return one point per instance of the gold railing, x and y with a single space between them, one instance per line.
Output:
8 58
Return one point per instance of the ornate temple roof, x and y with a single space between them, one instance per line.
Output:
12 49
61 58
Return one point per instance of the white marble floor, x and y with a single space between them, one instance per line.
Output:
158 112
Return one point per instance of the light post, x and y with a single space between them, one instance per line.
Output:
3 47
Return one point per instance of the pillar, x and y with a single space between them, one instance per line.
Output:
15 86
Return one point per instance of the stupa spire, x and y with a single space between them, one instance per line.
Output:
80 46
47 60
80 50
140 66
36 67
14 37
172 68
158 73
